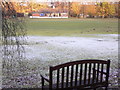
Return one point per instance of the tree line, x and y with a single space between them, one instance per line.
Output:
103 10
74 9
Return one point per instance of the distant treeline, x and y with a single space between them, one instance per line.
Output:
95 10
74 9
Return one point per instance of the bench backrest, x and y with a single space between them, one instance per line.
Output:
79 73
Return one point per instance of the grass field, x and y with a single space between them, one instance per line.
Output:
71 27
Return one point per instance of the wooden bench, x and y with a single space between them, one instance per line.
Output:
78 75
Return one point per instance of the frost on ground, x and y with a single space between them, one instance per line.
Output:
41 52
62 48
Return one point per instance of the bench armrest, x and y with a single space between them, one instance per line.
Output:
45 78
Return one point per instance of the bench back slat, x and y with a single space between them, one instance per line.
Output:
93 78
76 75
72 74
89 74
98 65
62 77
101 77
67 76
85 73
58 72
81 69
51 78
107 70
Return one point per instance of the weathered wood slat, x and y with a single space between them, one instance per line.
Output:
89 74
72 74
63 77
85 73
94 73
107 69
81 66
76 75
101 77
58 74
51 78
67 76
98 65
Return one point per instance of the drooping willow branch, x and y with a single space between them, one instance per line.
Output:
13 35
